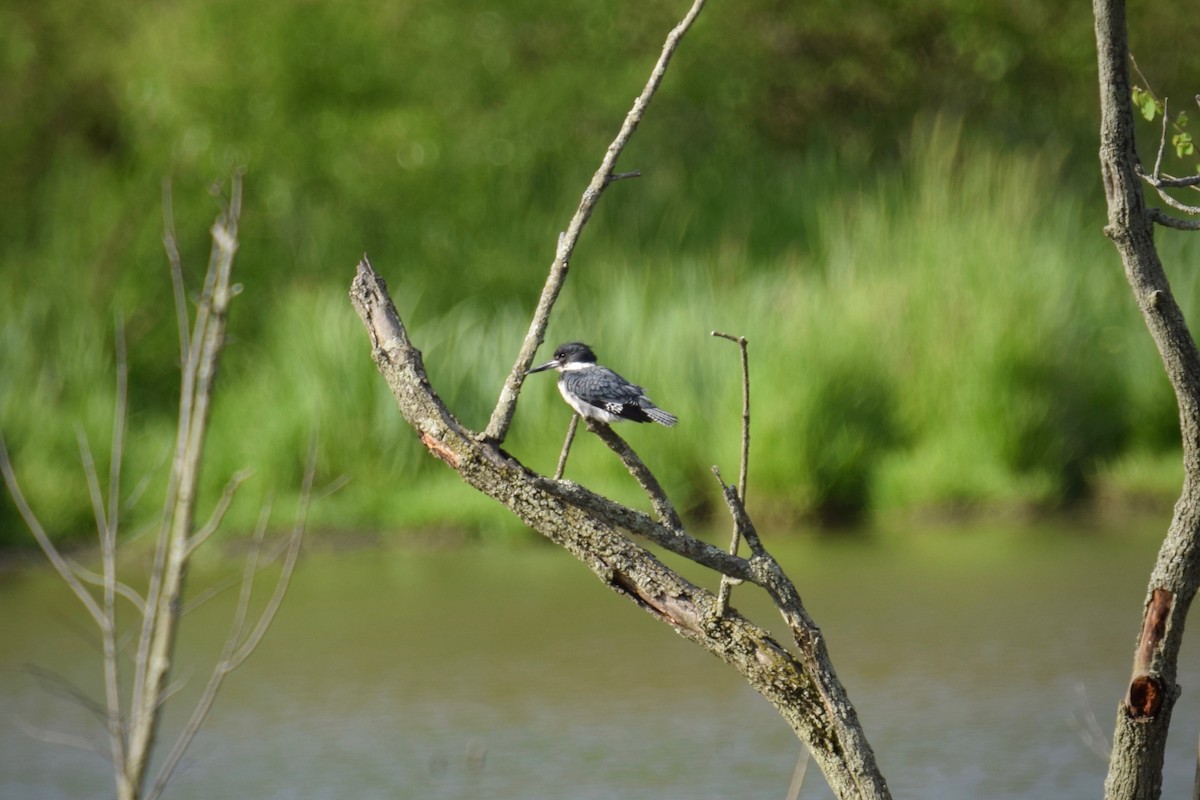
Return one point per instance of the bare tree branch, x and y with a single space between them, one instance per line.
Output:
132 736
506 406
802 687
163 599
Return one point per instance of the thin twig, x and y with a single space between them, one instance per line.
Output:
93 482
120 587
106 529
63 739
58 685
237 649
1142 76
742 344
60 564
216 590
1167 221
1088 727
1162 142
566 448
171 245
736 538
1177 205
218 514
1169 182
642 474
798 774
502 416
740 518
108 548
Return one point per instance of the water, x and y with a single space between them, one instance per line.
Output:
974 659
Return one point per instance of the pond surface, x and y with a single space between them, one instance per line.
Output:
975 659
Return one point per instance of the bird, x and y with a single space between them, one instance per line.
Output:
597 392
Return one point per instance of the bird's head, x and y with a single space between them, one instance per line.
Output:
569 353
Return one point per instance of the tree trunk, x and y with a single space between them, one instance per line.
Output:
1144 715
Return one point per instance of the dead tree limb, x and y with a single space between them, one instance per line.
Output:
1144 715
801 685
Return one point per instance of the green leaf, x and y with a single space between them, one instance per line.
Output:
1139 98
1145 102
1182 119
1183 144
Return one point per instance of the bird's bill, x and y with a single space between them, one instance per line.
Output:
543 367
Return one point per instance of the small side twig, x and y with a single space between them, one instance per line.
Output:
566 449
218 513
798 774
642 474
171 246
736 539
240 645
58 738
1162 142
1167 221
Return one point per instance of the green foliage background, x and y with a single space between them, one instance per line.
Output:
897 203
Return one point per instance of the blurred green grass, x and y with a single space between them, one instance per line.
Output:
909 236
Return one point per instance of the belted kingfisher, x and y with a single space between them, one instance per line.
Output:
597 392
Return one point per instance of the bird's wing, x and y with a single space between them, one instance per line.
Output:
601 386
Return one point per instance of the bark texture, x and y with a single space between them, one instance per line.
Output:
801 685
1144 715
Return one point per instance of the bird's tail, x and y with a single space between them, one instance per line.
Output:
661 417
